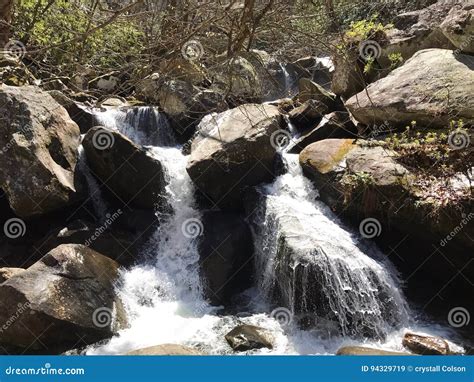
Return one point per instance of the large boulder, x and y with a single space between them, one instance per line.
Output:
410 32
366 183
38 153
234 150
248 337
64 299
458 26
226 251
129 172
432 88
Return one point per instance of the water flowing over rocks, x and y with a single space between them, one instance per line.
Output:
313 267
360 182
432 88
39 146
234 150
128 171
66 298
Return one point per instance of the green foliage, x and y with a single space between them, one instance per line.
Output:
364 29
57 33
396 60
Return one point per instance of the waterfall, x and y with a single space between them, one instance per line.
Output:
144 125
163 293
316 267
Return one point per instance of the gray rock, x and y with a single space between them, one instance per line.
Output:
64 299
248 337
38 151
432 88
458 26
127 170
234 150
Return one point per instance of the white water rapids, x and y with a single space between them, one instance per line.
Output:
163 293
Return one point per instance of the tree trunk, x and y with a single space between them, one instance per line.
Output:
6 7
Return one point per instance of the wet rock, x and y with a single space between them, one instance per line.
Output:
38 151
402 96
166 349
226 250
248 337
234 150
362 350
334 125
425 345
128 171
65 298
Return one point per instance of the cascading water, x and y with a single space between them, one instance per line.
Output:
163 294
144 125
317 267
